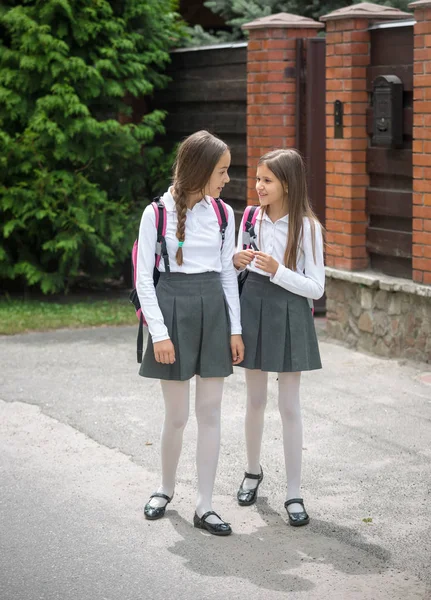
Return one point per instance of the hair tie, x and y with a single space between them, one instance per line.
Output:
180 244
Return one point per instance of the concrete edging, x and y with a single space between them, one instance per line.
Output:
379 281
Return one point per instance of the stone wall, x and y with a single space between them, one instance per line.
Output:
387 316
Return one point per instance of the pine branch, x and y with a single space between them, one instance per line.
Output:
66 69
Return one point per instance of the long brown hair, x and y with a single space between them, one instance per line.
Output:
196 159
289 168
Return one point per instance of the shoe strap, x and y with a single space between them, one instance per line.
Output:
205 516
252 475
160 495
294 501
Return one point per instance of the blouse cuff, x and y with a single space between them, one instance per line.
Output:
161 337
278 274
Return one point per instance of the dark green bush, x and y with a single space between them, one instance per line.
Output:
73 165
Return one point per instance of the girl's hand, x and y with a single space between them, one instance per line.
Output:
243 258
164 352
266 263
237 349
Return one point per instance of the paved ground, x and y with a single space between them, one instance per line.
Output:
79 456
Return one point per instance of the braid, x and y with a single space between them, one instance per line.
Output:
197 157
181 205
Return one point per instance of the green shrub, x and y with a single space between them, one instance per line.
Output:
73 164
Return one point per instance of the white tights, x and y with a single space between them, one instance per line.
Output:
290 411
176 394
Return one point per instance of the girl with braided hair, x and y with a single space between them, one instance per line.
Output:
193 316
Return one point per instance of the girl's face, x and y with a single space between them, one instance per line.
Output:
269 189
219 176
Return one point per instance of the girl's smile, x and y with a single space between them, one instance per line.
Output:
271 192
268 187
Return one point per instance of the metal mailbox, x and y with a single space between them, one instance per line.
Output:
388 111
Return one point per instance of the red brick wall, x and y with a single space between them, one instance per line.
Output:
347 57
422 147
271 120
270 94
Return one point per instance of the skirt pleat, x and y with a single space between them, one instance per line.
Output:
215 336
195 313
278 328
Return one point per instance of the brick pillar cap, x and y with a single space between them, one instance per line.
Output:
366 10
285 20
420 4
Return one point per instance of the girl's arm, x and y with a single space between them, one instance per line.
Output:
229 276
144 280
311 283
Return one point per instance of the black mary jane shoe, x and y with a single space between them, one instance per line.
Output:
156 512
246 497
298 518
214 528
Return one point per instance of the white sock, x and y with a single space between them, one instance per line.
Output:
176 395
257 391
209 392
290 411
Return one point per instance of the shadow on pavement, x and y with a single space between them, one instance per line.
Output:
266 555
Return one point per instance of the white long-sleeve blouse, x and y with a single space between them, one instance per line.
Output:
309 277
201 253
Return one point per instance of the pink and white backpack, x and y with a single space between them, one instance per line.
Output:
248 233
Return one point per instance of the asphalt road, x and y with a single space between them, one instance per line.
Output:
79 457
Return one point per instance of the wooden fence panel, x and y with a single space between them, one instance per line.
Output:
389 196
209 91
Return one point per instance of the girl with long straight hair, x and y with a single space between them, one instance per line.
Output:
277 322
193 316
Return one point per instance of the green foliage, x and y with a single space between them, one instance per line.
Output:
73 165
158 172
237 12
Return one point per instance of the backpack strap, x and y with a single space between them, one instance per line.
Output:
249 221
311 305
161 248
140 339
220 209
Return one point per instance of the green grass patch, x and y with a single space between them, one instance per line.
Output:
20 316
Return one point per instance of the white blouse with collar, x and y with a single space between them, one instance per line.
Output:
201 253
309 277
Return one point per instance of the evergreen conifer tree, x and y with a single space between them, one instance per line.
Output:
237 12
71 159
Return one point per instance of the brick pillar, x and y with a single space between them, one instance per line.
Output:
347 59
422 143
271 86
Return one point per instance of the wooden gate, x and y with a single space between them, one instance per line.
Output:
311 122
389 195
310 116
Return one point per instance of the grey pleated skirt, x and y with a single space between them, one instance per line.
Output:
277 328
196 314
